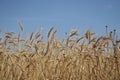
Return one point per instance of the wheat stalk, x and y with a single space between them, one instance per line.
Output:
20 25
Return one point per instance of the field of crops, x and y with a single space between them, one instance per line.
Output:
73 58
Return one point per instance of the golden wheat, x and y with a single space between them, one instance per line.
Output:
81 58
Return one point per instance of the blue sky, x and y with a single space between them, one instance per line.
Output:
64 15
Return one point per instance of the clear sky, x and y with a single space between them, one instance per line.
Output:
64 15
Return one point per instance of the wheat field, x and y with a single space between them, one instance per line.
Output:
74 58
